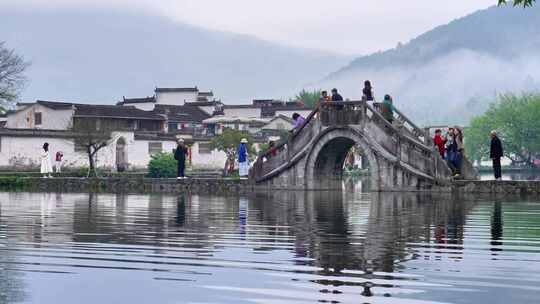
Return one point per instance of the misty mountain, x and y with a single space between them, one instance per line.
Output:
100 57
454 71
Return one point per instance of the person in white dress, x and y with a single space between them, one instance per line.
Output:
46 164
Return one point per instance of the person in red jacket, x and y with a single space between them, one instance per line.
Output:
439 142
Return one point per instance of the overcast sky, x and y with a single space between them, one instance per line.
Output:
347 26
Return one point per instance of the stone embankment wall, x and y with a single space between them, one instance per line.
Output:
130 185
222 186
497 187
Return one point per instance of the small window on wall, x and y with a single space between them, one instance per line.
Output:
204 148
155 147
37 118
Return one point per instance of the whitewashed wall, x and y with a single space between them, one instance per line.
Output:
215 159
243 112
208 109
176 98
50 119
25 152
278 124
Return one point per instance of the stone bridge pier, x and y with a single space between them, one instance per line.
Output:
400 155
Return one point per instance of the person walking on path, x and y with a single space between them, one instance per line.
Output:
496 153
58 160
439 142
243 165
46 164
180 155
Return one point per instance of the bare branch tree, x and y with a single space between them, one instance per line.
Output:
90 136
12 79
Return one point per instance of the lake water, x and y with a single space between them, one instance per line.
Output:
286 247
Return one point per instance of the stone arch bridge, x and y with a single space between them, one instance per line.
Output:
401 156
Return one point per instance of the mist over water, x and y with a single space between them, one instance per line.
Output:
287 247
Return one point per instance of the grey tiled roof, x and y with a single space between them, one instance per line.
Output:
137 100
102 111
186 113
167 90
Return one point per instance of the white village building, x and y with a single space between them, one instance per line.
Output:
140 128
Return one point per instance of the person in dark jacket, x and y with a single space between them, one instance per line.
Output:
367 92
336 97
496 153
180 155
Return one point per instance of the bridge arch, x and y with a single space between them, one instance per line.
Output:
328 155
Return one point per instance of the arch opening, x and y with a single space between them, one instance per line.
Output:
341 158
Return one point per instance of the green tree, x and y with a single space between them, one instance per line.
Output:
12 67
516 119
524 3
308 98
228 142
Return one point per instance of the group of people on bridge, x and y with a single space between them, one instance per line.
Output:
451 148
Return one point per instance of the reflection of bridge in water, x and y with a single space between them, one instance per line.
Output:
401 156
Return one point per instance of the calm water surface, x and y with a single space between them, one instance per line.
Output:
267 248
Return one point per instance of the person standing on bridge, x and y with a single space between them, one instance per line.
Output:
367 92
496 153
336 97
439 142
387 109
451 149
458 138
243 165
298 122
180 155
